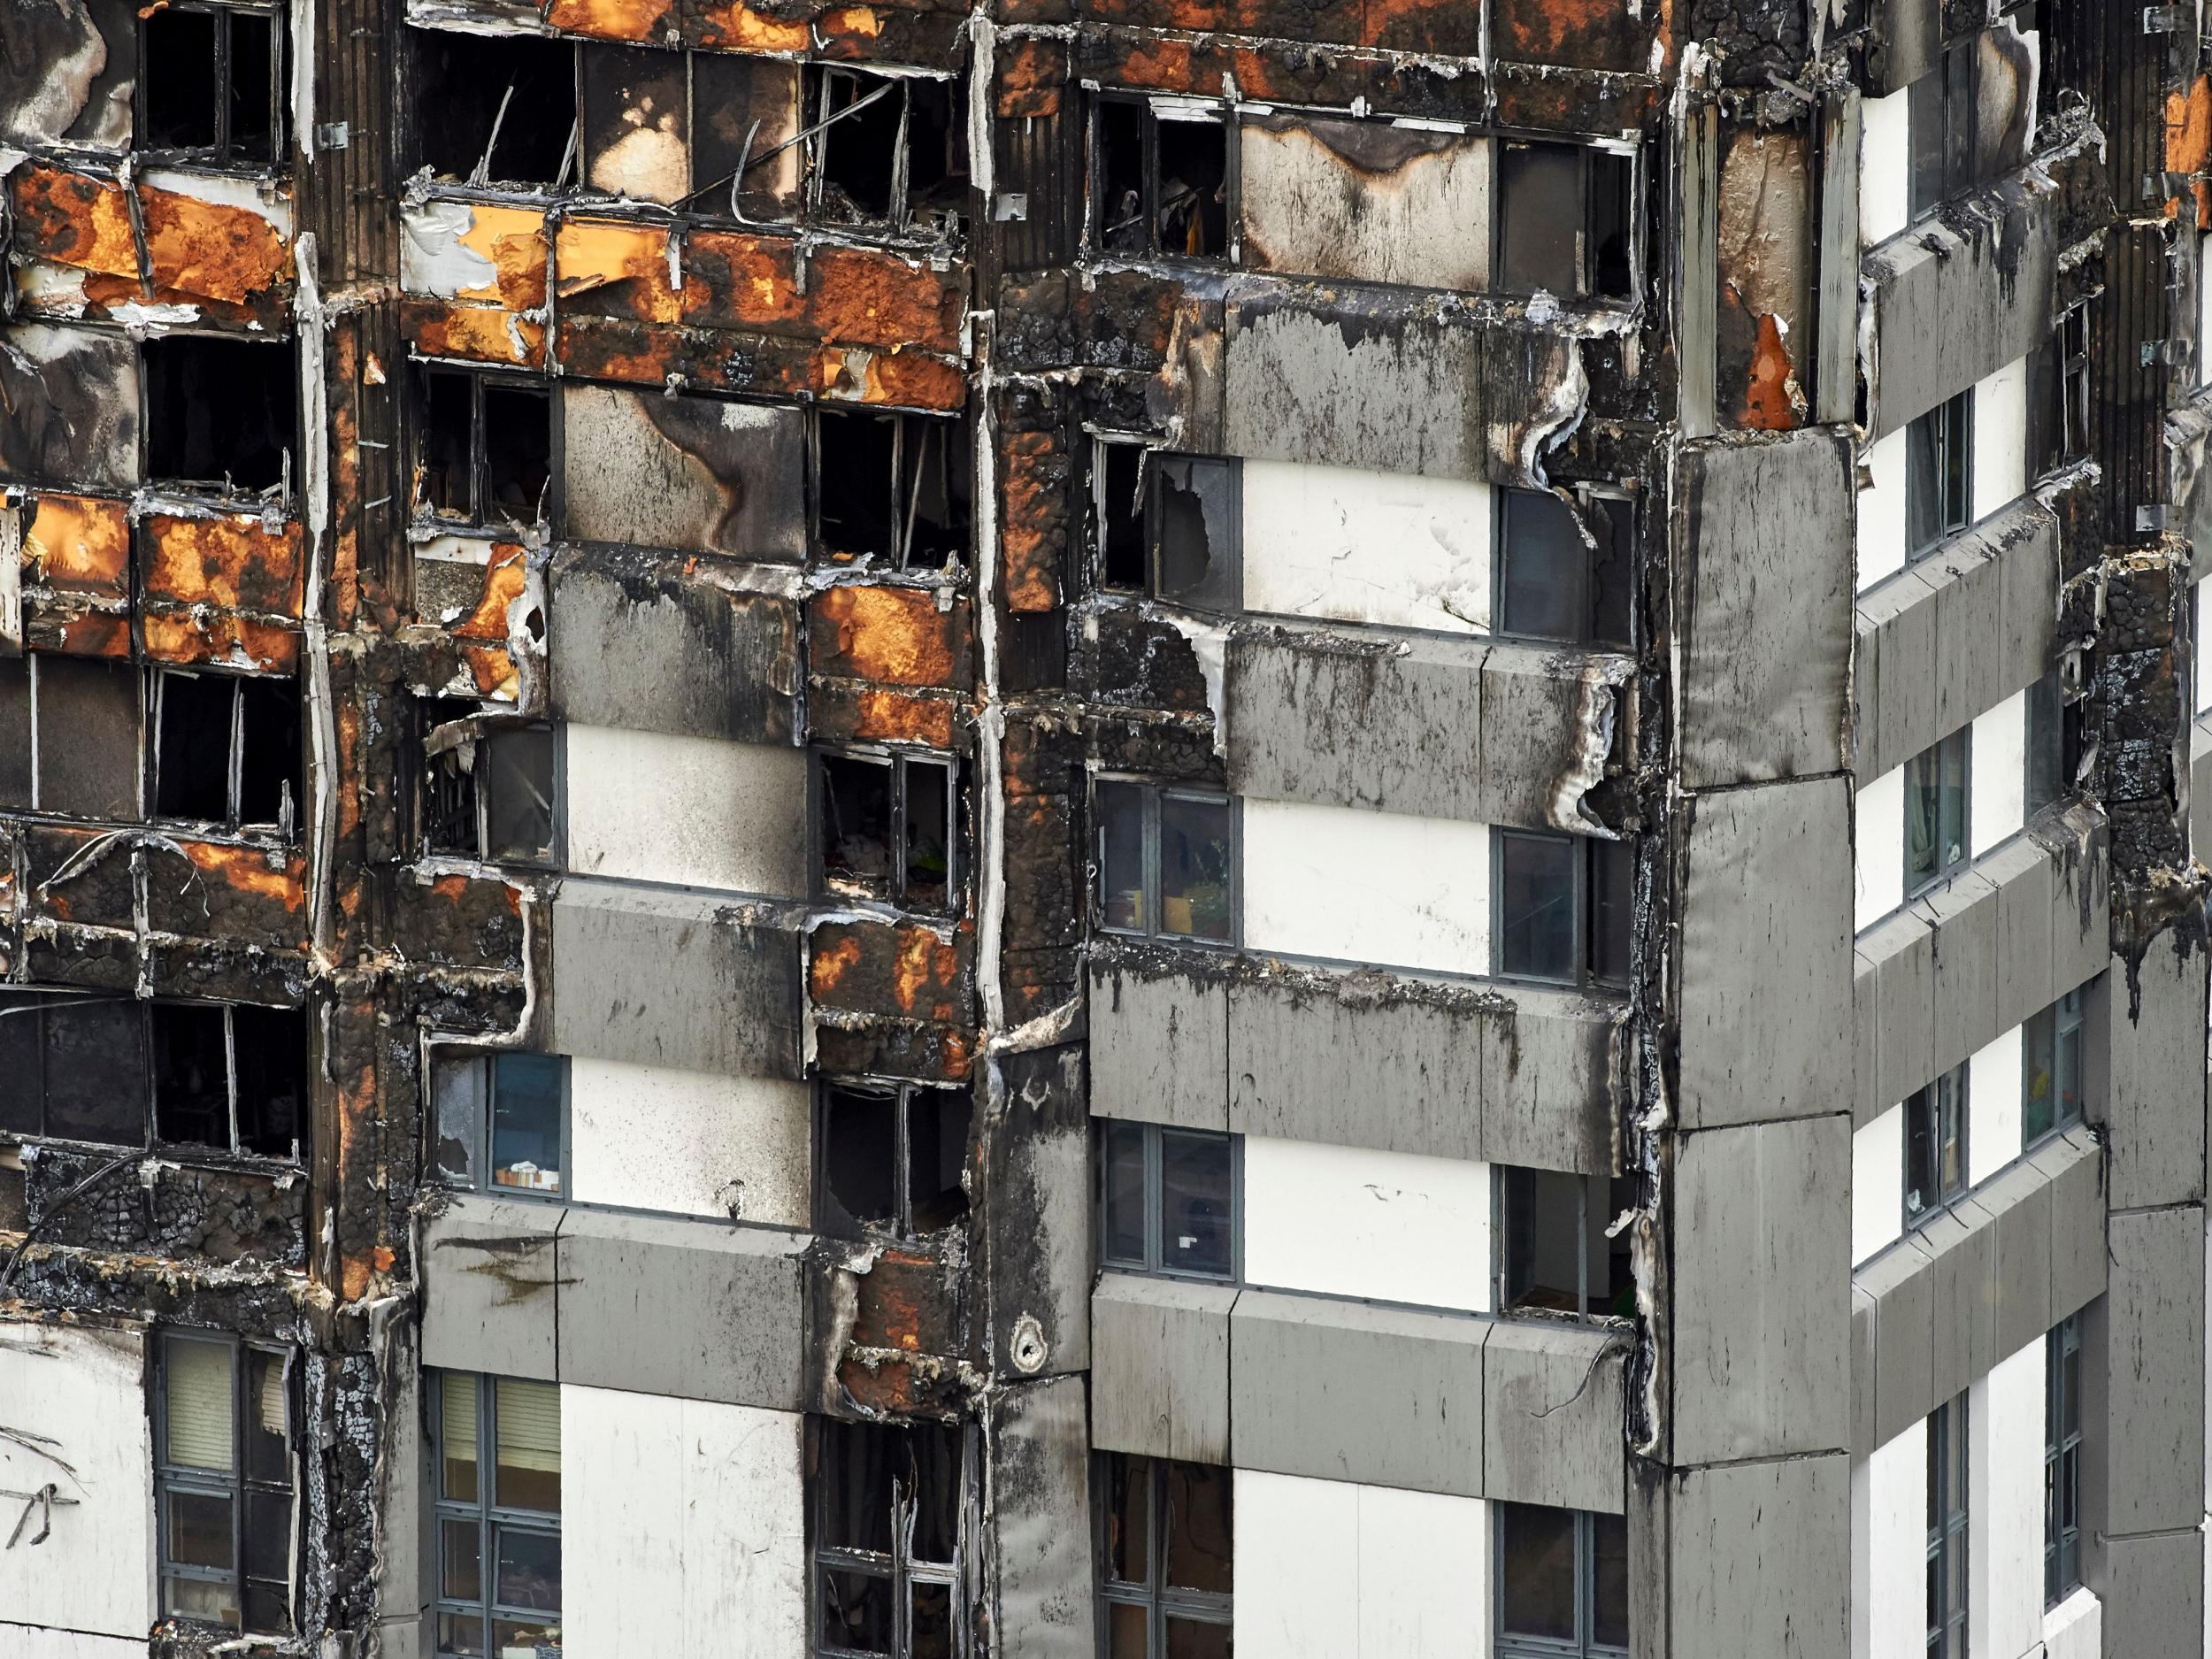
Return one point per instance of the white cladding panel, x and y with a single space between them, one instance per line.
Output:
1338 544
1353 886
2004 1480
688 811
2000 439
1998 807
1885 168
1992 1107
1877 1184
1880 848
1355 1222
1881 512
25 1641
1890 1549
689 1142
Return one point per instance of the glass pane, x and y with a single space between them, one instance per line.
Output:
1951 1126
1536 1592
856 1611
527 1122
1960 172
930 1482
1920 1152
1539 219
855 826
2046 779
197 1406
855 1483
859 1158
1543 1257
201 1598
1188 1638
529 1568
931 1633
928 821
525 1638
1951 798
2068 1062
22 1091
457 1433
96 1074
1923 119
268 1418
1120 809
1128 1517
268 1608
1125 1630
518 815
1613 571
1924 833
1612 909
1196 893
1194 1203
460 1561
1924 484
463 1088
528 1472
269 1535
1197 528
1609 1581
191 1076
200 1529
1536 900
1198 1532
2037 1083
1121 1155
461 1634
936 1155
1544 559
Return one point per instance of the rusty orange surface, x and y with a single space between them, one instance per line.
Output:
591 254
894 634
1770 403
2189 139
492 670
229 561
214 249
78 632
183 637
512 239
906 379
246 870
614 19
475 334
79 543
1029 74
893 717
503 572
927 970
732 26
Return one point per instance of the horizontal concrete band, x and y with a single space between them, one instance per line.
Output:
1355 1057
1974 1286
1945 975
1525 1411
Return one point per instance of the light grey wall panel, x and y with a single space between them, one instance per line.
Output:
1863 1309
1904 1336
2152 1590
1159 1046
1964 913
1896 628
2081 893
1551 1401
1550 1072
2145 1069
1160 1367
490 1272
2154 1328
2018 1205
1040 1519
1960 1243
2074 1166
2201 784
1760 1560
1900 950
2026 883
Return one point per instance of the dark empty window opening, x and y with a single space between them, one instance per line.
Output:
1566 572
1167 526
1935 1147
219 412
1937 793
1566 221
1162 180
501 1122
1557 1250
2054 741
888 828
1938 473
1166 861
2062 390
484 449
231 1078
227 750
887 1502
884 150
211 82
891 1157
1561 1583
1168 1201
1166 1564
489 786
494 109
1565 907
894 487
1941 121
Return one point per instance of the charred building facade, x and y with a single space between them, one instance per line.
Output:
1065 827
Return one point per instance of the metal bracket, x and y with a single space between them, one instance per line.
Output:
2169 19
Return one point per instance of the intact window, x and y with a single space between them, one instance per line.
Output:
223 1481
211 82
1565 220
1165 524
888 828
1167 860
1552 582
887 1501
1938 452
1554 1249
1166 1562
1168 1200
220 413
891 1160
1561 1582
1564 907
484 447
885 149
2062 1460
1946 1530
494 109
502 1123
1161 179
2051 1069
1937 790
226 750
1935 1146
496 1444
2053 742
893 486
1941 118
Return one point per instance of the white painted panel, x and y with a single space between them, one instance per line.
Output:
2000 439
1384 888
1896 1561
1885 168
1354 546
2204 330
2075 1628
1355 1222
689 1142
1424 1575
1881 533
692 811
2004 1479
1992 1107
1877 1184
1880 848
1998 807
2202 597
23 1641
82 1392
1308 208
683 1530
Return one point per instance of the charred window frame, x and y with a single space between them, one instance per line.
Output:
1940 120
227 750
1561 1579
1165 524
887 827
1939 475
884 1506
1556 1251
1935 1147
501 1122
483 448
1167 860
2062 393
1564 907
495 1462
1564 221
1171 1201
1947 1531
882 149
488 110
225 1425
893 486
1163 178
1939 795
890 1157
491 787
1553 584
2052 1071
1162 1539
211 82
2062 1460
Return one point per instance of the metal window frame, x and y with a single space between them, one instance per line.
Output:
1150 454
553 856
905 492
1510 1645
1586 248
486 1514
171 1478
1159 1601
1588 1188
899 1567
902 1090
1155 1200
1948 1531
2065 1016
1954 433
476 515
1216 112
897 761
1933 756
2072 335
480 1178
1152 794
223 153
234 821
1959 1113
1584 876
2062 1465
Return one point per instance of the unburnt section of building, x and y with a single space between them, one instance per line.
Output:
1103 829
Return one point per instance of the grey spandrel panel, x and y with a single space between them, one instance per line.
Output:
2074 1167
2153 1091
1864 1308
2154 1370
1901 610
1760 1559
1867 1103
1550 1081
1901 947
1039 1521
1546 715
1962 1245
1159 1046
1160 1367
2018 1205
2021 872
1968 587
1904 1336
2022 648
1552 1415
2201 787
1965 914
2153 1594
490 1278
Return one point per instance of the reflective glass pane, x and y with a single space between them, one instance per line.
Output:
1608 1586
1120 811
519 808
1920 1153
528 1476
1539 220
1121 1153
1198 509
200 1529
529 1570
1924 120
525 1638
463 1090
201 1599
1198 1532
1536 891
527 1122
1196 891
1536 1591
2038 1082
856 1611
1612 909
1194 1203
1924 484
269 1535
1544 562
268 1607
460 1561
461 1634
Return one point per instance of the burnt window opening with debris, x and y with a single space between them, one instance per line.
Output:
1561 1578
501 1122
495 110
1163 179
1935 1147
1170 1201
2061 371
211 82
892 1158
1552 582
1938 791
489 787
1566 222
886 1514
496 1448
224 1436
483 448
888 828
1565 908
894 487
220 413
1166 861
1939 470
2051 1069
69 735
884 150
227 750
1166 1564
1167 526
1557 1249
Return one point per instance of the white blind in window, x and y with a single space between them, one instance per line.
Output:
456 1395
197 1379
529 1425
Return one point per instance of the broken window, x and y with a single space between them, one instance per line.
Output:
1557 1250
226 750
502 1123
891 1156
1938 456
1555 583
1565 905
211 81
1168 1200
1947 1593
2062 1460
1940 121
1935 1146
1162 178
1168 525
2062 391
220 413
1167 860
1561 1583
887 1553
69 735
893 486
1566 221
888 828
489 787
484 447
223 1450
494 109
76 1065
2051 1069
885 149
1937 790
499 1516
1165 1557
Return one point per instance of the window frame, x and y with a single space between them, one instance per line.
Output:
486 1060
485 1513
224 153
1216 112
1586 1187
1956 113
905 422
488 730
1934 756
897 761
2062 1460
1586 976
899 1566
233 822
1588 498
477 518
1154 1263
1510 1645
1958 1111
816 129
1585 283
1952 431
1151 454
237 1485
903 1090
1155 793
1159 1601
2067 1016
1949 1534
2072 364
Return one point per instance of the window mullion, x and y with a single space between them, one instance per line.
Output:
902 1132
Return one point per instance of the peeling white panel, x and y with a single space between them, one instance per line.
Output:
1880 848
1405 206
2004 1480
2202 597
1353 546
1881 534
689 1142
249 194
690 811
1896 1547
2000 439
2075 1628
1352 886
1998 809
1993 1106
683 1528
432 258
1353 1222
1877 1184
1332 1568
80 1394
1885 168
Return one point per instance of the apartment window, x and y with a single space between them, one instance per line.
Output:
1167 860
496 1447
1565 220
502 1123
894 487
1564 906
2051 1069
1938 454
1554 1253
1561 1582
484 447
1168 1200
886 1550
220 413
2062 386
1936 796
211 82
892 1158
226 750
1162 178
494 109
2053 742
1551 582
1935 1146
1941 118
223 1425
888 828
1164 1558
117 1072
884 150
488 786
2062 1460
1946 1530
1167 526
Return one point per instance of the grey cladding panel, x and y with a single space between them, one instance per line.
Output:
2074 1166
1159 1046
1035 1263
2021 873
1551 1401
2154 1076
2018 1205
1040 1520
1864 1309
1964 915
1904 1336
490 1287
688 473
2152 1591
1961 1249
1548 1072
1548 723
72 398
1160 1367
1761 1560
2154 1372
2201 786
